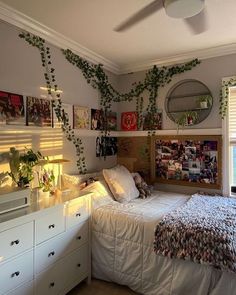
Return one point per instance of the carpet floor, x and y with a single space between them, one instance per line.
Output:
98 287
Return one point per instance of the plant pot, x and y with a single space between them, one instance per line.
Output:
43 194
203 105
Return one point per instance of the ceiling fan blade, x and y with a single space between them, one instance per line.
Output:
198 23
140 15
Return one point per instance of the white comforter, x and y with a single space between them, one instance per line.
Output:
122 251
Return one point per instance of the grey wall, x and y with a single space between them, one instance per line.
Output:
210 72
21 72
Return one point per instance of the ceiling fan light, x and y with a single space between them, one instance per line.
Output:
183 8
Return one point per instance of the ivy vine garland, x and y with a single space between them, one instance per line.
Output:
154 79
224 96
98 79
50 78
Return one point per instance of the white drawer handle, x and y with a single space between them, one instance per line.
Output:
52 284
51 226
51 253
78 238
77 214
16 242
15 274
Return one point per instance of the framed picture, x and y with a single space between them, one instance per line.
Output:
68 112
106 146
112 121
12 110
187 160
80 117
129 121
154 123
38 112
97 119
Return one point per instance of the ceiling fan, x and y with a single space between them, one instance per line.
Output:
193 12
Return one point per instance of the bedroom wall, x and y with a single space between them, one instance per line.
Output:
21 72
210 72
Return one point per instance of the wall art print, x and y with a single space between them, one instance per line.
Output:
38 112
68 109
97 119
154 123
106 146
12 110
187 160
80 117
112 121
129 121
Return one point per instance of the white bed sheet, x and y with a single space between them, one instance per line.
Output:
122 251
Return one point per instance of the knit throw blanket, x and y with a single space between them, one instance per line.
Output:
203 231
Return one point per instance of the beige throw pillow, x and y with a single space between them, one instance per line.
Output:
121 183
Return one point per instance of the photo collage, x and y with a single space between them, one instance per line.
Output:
187 160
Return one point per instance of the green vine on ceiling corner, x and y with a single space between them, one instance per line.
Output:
52 87
224 96
154 79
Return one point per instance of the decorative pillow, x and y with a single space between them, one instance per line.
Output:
101 193
79 181
143 188
121 183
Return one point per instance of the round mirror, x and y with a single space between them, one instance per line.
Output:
188 102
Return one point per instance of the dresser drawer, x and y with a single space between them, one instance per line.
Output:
49 225
52 281
16 272
26 289
49 252
77 211
16 240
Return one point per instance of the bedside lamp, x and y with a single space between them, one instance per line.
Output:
59 162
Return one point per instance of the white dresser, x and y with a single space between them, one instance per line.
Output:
45 248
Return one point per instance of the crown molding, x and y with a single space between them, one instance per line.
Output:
24 22
180 58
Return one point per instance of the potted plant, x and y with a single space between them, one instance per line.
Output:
205 101
21 166
187 118
46 183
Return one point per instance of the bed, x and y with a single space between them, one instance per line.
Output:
123 247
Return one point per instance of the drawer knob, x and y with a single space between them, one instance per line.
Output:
15 274
16 242
78 215
51 253
79 238
78 264
51 226
52 284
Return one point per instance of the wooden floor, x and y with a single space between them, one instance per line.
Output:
98 287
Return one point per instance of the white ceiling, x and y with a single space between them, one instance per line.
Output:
90 23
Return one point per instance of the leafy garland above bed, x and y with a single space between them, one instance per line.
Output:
224 96
96 76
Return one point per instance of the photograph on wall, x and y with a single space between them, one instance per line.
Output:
38 112
12 110
67 112
112 121
97 119
129 121
152 122
80 117
106 146
185 160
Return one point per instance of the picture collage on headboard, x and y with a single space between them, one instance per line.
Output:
187 160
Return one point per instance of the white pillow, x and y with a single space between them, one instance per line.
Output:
101 193
121 184
73 181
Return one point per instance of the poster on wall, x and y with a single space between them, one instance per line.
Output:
67 112
106 146
129 121
97 119
38 112
192 160
112 121
11 109
80 117
154 123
